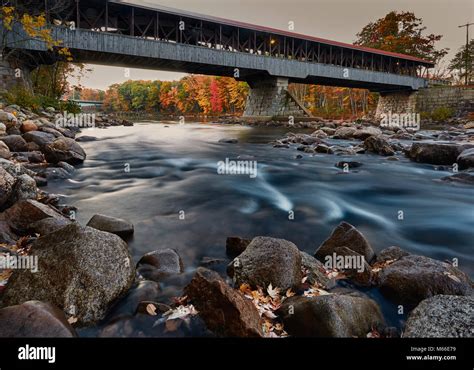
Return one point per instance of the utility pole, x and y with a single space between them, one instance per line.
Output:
467 50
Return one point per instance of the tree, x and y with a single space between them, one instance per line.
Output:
401 32
216 100
458 63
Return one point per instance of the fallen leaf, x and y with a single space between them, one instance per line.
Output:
180 312
452 277
270 314
151 309
273 292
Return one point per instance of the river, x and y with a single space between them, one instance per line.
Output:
163 177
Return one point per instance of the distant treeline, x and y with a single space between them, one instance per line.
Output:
205 95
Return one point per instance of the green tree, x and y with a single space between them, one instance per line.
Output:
458 63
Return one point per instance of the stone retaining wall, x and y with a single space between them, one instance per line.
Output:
426 101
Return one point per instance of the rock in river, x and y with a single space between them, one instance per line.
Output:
268 261
460 178
414 278
378 145
225 310
435 153
118 226
160 264
332 315
344 132
365 132
81 270
34 319
345 235
442 316
64 150
466 159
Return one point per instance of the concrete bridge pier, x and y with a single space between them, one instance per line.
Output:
269 97
14 72
400 102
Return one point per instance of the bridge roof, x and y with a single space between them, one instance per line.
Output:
253 27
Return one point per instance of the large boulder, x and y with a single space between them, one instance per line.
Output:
435 153
81 270
7 182
25 212
3 129
34 319
225 310
15 143
41 139
442 316
332 315
345 235
64 149
466 159
118 226
160 264
413 278
268 261
378 145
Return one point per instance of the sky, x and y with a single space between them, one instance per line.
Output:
338 20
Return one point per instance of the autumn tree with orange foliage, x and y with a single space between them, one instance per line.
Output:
401 32
193 94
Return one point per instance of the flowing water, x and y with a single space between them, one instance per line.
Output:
153 174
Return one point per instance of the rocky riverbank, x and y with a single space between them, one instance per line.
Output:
267 287
450 148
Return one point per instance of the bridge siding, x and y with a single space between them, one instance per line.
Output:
99 47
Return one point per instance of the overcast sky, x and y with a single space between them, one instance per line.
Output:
338 20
